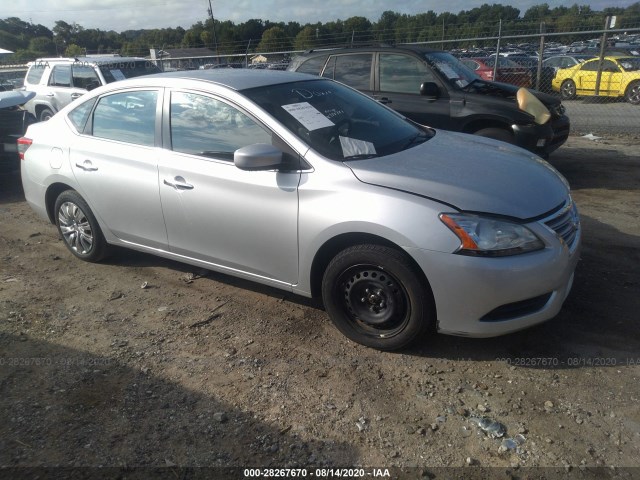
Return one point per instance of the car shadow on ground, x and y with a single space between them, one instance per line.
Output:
11 188
596 326
71 408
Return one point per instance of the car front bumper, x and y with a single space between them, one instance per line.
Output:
486 297
543 139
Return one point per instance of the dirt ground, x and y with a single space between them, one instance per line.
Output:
143 362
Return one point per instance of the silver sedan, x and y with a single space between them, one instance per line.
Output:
304 184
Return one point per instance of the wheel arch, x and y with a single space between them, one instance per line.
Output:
338 243
53 192
484 123
42 106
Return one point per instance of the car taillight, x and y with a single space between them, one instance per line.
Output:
23 144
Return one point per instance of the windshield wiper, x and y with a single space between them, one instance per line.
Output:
416 140
361 156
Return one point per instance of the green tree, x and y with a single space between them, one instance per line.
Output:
42 46
74 50
306 38
274 40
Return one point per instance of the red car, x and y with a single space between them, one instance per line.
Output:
508 71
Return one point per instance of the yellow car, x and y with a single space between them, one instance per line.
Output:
620 78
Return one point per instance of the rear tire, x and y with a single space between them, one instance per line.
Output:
79 228
497 134
568 90
45 115
632 95
374 296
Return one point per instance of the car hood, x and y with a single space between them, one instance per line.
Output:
507 90
14 98
470 173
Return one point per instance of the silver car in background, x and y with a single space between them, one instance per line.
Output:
304 184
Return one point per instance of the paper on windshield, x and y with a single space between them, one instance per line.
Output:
352 147
309 116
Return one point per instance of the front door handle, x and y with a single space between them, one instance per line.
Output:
87 166
179 183
384 100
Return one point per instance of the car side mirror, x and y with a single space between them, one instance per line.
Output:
260 156
430 89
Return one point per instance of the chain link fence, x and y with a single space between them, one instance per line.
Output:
596 72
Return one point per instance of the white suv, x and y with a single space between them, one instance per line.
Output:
58 81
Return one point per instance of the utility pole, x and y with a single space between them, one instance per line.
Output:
609 22
543 30
213 26
495 65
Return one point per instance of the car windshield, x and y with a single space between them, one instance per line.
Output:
452 69
115 71
336 121
629 64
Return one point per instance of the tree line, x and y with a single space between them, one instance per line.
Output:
30 41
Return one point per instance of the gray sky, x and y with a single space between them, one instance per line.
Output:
122 15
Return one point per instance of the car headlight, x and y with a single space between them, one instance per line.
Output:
528 102
490 237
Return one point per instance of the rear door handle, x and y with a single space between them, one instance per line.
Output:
75 95
384 100
179 183
87 166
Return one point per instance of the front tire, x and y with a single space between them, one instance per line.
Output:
632 95
374 296
79 228
568 90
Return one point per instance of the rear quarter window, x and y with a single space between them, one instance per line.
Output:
34 75
313 65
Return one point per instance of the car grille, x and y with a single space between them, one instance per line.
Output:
566 224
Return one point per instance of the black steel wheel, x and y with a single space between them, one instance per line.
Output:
375 297
568 90
78 227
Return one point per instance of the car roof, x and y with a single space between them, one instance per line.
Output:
233 78
370 48
88 60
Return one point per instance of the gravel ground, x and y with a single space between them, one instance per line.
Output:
142 362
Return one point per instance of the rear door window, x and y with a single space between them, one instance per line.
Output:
127 117
61 76
353 70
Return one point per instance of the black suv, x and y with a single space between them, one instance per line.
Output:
434 88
